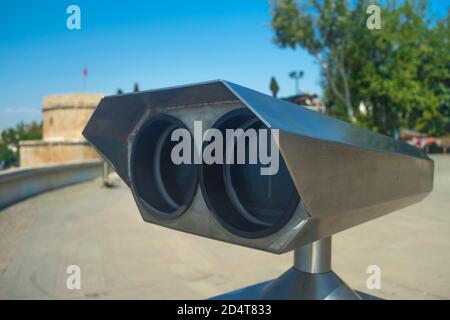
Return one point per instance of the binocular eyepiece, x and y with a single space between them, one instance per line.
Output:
225 162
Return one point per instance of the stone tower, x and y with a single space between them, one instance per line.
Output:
64 117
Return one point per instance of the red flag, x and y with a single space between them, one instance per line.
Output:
85 72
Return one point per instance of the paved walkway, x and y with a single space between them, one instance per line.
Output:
122 257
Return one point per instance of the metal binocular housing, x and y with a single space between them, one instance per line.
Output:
331 175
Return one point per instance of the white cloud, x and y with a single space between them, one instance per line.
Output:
20 110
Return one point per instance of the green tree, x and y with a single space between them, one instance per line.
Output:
119 91
136 87
398 73
435 73
6 155
22 131
274 86
320 27
10 138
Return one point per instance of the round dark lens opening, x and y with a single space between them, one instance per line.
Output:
246 202
165 187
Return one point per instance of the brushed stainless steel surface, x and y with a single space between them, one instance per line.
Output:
254 292
298 285
314 257
344 174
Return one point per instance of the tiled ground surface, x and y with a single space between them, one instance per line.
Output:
122 257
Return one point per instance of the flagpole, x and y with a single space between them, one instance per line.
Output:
84 76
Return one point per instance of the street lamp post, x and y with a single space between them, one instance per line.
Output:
296 75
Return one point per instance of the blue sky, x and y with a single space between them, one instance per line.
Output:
154 43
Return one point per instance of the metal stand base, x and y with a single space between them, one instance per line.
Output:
311 278
298 285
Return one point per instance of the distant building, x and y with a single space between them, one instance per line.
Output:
425 142
309 100
64 117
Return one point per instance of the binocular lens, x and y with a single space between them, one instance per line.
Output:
247 202
166 188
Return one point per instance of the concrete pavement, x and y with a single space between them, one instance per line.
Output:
120 256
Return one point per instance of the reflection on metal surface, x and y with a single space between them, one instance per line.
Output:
314 257
298 285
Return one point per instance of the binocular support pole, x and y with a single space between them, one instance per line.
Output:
314 257
311 277
105 175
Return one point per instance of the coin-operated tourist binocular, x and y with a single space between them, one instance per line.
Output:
225 162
